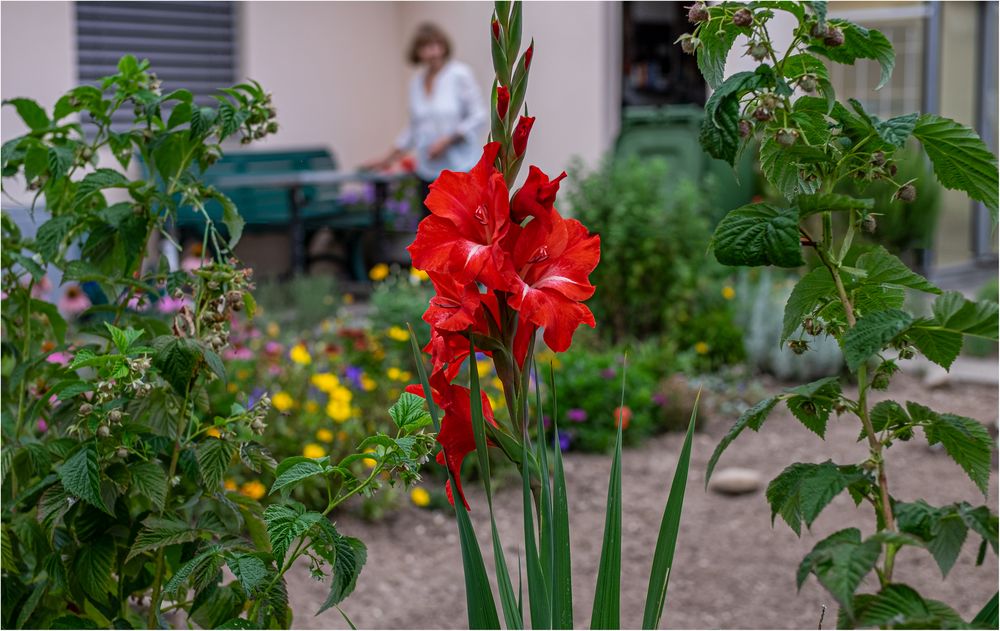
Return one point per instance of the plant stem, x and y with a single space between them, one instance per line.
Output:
874 444
24 354
154 603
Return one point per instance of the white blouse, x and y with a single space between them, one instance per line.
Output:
455 106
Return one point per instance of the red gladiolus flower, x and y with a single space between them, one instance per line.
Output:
521 133
456 437
503 101
527 56
470 216
454 306
553 260
495 26
536 197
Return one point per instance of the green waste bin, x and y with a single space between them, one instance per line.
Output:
671 133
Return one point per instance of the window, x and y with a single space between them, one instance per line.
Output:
190 45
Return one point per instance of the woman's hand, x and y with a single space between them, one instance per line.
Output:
439 146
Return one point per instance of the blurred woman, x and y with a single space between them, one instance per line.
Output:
448 115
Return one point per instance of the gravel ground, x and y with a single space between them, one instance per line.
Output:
732 569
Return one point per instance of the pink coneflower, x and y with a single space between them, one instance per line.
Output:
73 301
41 288
239 352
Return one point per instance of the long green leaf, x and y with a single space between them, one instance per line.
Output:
545 537
508 600
666 542
606 613
482 610
562 574
538 595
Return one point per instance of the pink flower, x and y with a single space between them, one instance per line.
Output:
41 288
239 352
190 263
138 302
42 425
58 358
73 301
169 304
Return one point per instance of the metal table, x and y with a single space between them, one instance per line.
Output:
295 181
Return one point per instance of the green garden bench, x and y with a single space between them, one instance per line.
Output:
295 190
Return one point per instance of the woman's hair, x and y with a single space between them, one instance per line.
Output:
428 33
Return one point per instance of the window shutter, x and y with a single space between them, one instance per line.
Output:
189 45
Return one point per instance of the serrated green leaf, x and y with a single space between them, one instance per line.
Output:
285 524
812 292
150 480
250 571
759 234
830 202
887 415
812 403
966 440
408 412
214 457
51 234
92 567
896 130
717 36
753 418
159 532
100 179
960 158
81 476
30 112
871 333
351 557
939 346
801 492
720 135
886 269
901 607
840 562
782 166
177 359
293 470
859 43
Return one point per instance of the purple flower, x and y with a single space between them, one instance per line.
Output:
609 373
546 421
564 440
660 399
353 374
255 396
42 426
169 304
576 415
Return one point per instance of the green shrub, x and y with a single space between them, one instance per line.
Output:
654 264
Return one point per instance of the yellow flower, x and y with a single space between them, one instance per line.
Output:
483 367
379 272
230 484
728 292
324 435
341 395
325 381
273 330
326 326
496 383
312 450
701 348
339 411
300 355
311 406
418 274
370 462
213 432
282 401
348 299
405 375
367 383
242 374
496 402
393 373
420 496
253 489
232 388
398 333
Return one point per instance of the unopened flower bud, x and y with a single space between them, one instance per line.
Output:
878 158
103 431
743 17
834 37
907 193
122 452
787 137
503 101
697 13
519 139
690 45
115 416
808 83
762 114
495 27
745 127
798 346
85 409
528 54
757 50
868 224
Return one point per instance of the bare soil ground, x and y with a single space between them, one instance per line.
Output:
732 569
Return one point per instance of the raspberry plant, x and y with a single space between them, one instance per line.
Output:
809 141
114 510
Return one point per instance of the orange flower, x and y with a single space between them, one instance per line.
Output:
625 414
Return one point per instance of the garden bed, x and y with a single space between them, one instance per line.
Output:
732 570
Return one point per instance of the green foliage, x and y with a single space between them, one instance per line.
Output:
654 270
835 165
